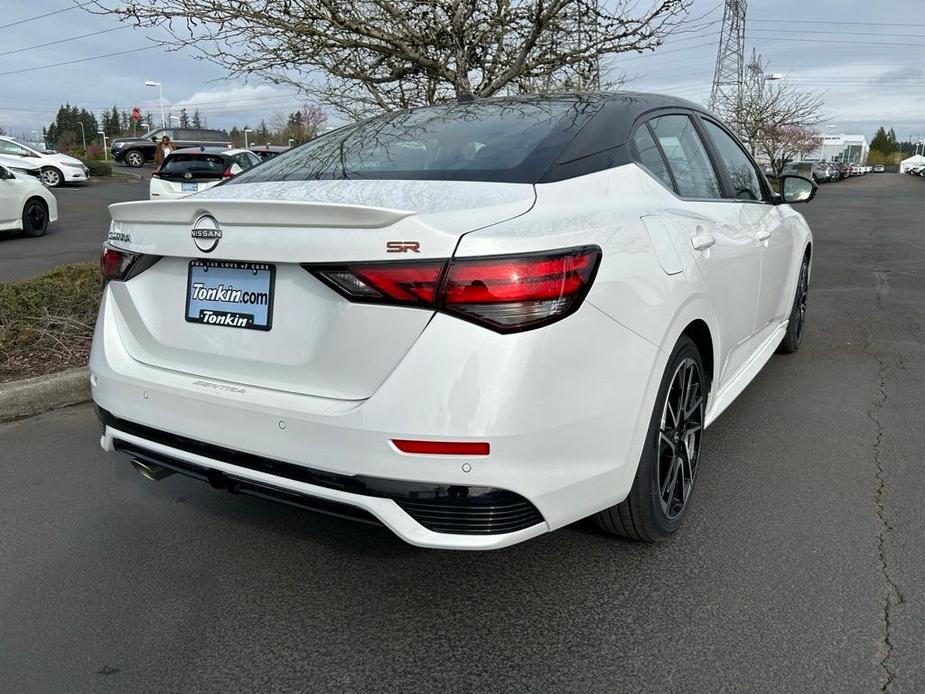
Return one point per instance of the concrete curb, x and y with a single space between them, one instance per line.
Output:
34 395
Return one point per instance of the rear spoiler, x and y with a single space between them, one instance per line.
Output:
257 213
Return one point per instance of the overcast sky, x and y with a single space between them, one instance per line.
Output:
864 55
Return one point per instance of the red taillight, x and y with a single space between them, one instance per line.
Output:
504 293
227 173
442 447
122 265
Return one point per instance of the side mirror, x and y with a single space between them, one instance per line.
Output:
796 189
154 139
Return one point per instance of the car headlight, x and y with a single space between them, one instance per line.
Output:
73 166
118 145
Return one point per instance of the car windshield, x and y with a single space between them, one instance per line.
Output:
507 141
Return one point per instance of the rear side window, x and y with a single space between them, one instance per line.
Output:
209 135
649 156
744 177
687 157
199 165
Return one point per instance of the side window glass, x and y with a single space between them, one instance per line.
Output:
649 156
745 182
13 149
687 157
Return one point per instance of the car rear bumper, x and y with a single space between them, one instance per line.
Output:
562 446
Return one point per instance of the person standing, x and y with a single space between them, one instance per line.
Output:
164 147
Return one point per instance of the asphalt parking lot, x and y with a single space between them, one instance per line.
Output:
83 220
799 568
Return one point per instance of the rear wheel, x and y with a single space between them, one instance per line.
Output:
664 482
51 177
34 218
134 158
797 321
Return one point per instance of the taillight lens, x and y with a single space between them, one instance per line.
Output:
513 293
121 265
504 293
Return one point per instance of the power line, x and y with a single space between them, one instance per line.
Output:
42 16
851 43
829 21
73 38
835 33
79 60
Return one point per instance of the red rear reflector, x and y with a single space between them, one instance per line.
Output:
442 447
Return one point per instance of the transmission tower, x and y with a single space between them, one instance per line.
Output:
730 59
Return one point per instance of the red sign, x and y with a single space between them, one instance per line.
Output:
136 114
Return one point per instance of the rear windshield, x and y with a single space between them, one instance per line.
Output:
200 165
507 141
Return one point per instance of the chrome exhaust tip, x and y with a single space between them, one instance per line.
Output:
150 471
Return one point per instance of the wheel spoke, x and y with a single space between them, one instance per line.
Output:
670 481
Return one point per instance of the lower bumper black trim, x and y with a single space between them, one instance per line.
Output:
456 509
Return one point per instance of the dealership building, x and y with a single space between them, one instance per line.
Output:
848 148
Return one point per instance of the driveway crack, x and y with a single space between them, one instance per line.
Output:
891 595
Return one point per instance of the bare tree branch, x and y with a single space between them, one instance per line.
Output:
378 55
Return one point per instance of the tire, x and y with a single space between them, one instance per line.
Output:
51 177
797 320
34 218
134 158
655 506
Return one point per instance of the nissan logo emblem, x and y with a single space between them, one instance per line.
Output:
206 233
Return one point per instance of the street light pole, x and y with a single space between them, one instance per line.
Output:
105 148
246 130
160 91
83 136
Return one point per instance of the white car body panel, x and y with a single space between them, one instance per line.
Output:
566 407
15 192
72 170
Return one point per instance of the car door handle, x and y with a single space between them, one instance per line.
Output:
702 242
763 234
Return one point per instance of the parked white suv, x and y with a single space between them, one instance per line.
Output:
57 169
25 204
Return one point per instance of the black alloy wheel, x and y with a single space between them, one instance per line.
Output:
679 438
796 324
667 472
34 218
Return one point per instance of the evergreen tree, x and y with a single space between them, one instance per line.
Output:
197 122
184 118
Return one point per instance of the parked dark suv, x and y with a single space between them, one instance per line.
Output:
135 151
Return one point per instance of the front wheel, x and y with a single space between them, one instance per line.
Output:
135 159
34 218
797 321
661 491
51 177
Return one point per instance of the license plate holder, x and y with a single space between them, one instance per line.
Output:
230 293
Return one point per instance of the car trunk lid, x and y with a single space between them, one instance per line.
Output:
315 341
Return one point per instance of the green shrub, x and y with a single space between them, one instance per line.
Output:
46 322
97 167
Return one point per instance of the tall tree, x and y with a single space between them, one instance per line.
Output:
385 54
197 121
184 118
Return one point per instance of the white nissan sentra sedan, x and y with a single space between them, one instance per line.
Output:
472 323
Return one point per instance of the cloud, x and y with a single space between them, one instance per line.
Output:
240 102
902 74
